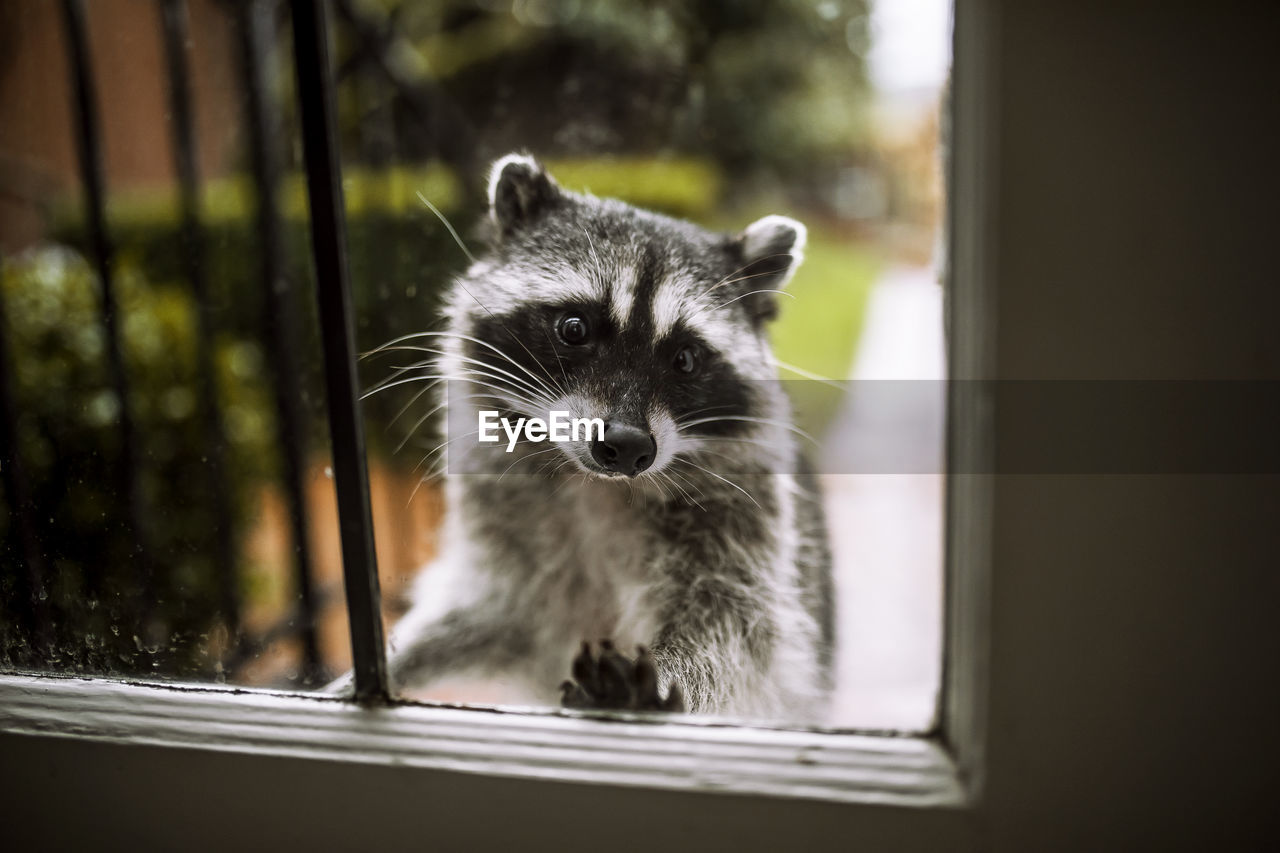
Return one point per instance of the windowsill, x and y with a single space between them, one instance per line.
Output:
697 755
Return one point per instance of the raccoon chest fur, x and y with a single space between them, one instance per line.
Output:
588 553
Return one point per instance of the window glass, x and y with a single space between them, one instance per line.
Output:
719 114
189 530
160 532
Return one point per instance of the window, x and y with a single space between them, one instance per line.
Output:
1083 696
253 396
210 375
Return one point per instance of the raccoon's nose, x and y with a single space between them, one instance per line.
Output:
624 449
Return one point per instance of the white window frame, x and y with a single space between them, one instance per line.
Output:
70 718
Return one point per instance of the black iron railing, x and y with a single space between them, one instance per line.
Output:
280 323
333 287
30 599
89 150
213 438
280 329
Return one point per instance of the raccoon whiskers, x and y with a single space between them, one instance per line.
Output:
414 493
523 458
396 373
566 482
511 334
538 389
758 441
442 445
744 296
592 245
704 410
435 471
664 485
707 451
722 479
683 427
542 469
447 224
681 490
808 374
500 390
707 448
527 394
690 484
415 398
523 391
418 424
389 384
730 279
460 336
657 484
559 359
530 398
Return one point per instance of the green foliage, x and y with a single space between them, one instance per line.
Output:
762 88
68 437
399 253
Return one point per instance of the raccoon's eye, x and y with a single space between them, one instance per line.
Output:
686 361
573 330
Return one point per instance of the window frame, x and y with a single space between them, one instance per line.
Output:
940 770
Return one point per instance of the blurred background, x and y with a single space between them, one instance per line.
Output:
168 507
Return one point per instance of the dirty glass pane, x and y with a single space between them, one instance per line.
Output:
719 114
167 508
188 530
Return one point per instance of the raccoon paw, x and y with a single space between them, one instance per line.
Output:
612 681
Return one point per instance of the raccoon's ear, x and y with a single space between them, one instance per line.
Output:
771 248
519 191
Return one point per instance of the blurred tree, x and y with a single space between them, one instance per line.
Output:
761 88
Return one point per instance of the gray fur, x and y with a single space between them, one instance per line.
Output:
712 558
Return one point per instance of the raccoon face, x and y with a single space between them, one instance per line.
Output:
655 326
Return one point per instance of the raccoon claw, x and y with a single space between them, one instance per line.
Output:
611 680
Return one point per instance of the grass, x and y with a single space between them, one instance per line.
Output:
819 328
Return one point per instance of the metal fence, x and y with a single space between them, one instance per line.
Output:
281 332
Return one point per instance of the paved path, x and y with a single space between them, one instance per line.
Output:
887 527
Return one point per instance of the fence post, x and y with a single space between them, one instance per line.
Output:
329 249
89 151
174 30
279 312
30 595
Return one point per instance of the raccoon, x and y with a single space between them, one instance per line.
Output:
685 528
